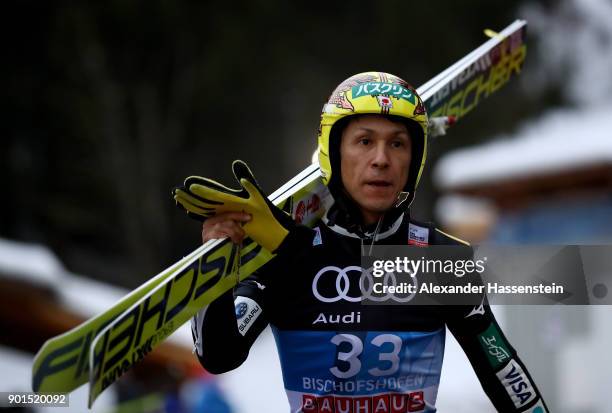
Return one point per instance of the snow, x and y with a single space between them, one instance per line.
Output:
575 44
457 209
592 389
34 262
82 295
562 140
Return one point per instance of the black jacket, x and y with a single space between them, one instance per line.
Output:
340 355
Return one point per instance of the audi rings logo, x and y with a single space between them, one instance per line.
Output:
346 277
343 283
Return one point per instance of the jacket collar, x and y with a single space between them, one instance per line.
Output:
368 233
344 217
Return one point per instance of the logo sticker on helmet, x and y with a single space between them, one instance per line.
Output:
381 88
385 102
339 98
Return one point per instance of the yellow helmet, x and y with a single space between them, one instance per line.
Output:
373 93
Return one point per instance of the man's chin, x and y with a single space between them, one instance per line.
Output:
379 207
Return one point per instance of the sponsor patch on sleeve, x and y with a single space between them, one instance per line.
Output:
247 311
494 346
516 383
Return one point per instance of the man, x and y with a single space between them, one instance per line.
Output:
338 355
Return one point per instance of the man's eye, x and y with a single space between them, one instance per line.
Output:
397 144
364 141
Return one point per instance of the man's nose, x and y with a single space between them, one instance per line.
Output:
381 156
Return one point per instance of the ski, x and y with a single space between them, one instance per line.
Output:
61 363
109 344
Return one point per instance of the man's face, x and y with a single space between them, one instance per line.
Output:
375 155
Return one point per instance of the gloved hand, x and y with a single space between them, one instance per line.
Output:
203 198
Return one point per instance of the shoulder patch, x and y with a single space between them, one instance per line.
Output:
418 235
247 311
317 240
453 237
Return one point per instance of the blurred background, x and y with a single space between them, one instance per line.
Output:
109 105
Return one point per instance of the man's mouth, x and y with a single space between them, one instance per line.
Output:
378 183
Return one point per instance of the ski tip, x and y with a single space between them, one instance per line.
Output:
491 33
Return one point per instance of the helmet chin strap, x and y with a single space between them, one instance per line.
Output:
402 196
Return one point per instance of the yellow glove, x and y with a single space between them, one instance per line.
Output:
203 198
